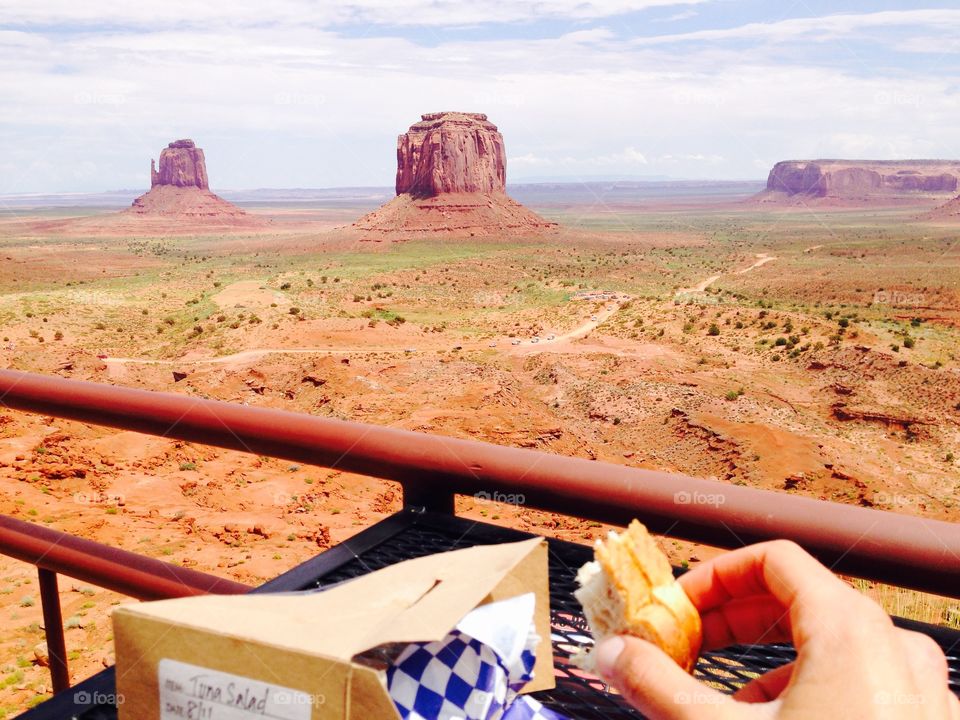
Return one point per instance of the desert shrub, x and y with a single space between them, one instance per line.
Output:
732 395
843 322
294 311
285 286
909 342
58 335
714 330
780 341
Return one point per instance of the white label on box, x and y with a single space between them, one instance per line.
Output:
189 692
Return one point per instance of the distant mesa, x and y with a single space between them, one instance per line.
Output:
860 180
949 212
181 164
180 187
451 178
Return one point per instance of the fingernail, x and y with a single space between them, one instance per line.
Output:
607 653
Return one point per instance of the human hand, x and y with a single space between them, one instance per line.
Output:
852 662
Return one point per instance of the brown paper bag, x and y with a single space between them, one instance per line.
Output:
292 657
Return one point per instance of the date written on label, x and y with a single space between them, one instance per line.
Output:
189 692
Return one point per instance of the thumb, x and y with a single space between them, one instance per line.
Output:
653 683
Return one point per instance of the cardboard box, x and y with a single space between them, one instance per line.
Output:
292 656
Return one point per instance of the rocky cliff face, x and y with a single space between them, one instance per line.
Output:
180 189
451 152
181 165
451 179
863 179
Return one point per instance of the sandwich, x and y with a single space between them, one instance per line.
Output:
629 589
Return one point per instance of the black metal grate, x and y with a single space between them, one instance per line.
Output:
580 696
577 694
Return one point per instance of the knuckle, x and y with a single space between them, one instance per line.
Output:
925 649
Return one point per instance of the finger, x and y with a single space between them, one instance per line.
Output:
779 568
749 621
767 687
926 658
784 571
653 683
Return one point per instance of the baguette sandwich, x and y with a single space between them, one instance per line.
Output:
629 589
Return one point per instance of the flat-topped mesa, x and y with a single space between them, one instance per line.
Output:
859 179
451 152
182 165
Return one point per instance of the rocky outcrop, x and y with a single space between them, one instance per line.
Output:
451 178
856 179
182 165
451 153
180 189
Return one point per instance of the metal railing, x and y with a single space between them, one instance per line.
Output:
898 549
137 576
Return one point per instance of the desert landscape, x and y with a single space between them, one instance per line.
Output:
790 343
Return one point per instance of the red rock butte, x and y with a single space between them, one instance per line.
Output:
860 180
451 178
180 187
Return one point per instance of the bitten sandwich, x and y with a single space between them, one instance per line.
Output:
629 589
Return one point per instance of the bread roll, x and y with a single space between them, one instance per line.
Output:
629 589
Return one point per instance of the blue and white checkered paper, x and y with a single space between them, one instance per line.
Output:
475 672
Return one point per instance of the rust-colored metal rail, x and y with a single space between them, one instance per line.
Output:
898 549
108 567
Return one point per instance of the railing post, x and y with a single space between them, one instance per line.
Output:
53 627
419 495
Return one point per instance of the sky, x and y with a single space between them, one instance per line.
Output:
299 93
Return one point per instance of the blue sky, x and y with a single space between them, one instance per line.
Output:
297 93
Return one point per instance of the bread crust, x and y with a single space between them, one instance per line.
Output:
630 590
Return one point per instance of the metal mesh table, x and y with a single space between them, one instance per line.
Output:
410 534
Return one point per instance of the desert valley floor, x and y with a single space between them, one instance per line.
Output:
809 350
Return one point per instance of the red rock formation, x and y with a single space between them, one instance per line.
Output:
860 179
180 188
451 177
181 164
451 153
946 213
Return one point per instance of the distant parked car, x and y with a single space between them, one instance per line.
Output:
593 318
458 347
410 350
515 342
535 340
551 337
101 356
493 344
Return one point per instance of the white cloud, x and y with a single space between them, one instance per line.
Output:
828 27
301 105
307 13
